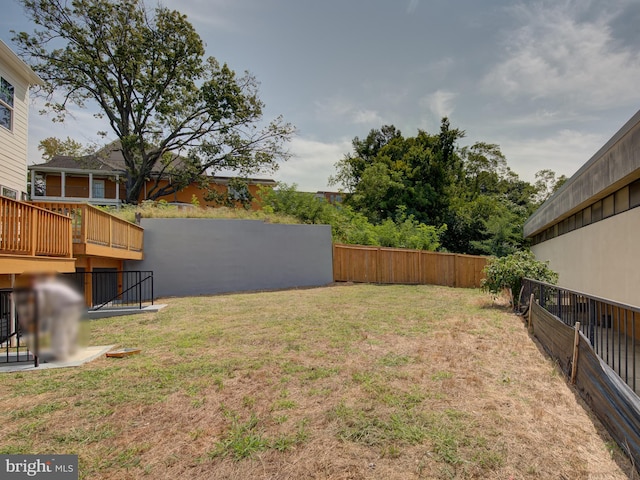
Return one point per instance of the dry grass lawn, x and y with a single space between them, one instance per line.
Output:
344 382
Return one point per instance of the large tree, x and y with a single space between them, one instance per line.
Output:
471 190
387 172
147 72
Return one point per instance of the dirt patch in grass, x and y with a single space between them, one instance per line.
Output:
347 382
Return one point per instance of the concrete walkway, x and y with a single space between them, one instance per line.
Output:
83 355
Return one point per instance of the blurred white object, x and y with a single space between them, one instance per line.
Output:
58 307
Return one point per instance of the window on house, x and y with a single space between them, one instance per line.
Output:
608 206
586 216
634 194
98 189
6 104
622 200
9 193
596 211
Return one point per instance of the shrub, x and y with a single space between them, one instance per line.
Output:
507 273
350 226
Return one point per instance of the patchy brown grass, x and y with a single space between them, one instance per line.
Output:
346 382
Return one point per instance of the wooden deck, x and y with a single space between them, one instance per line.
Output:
98 233
33 239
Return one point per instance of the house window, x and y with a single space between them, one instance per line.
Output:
596 211
6 104
9 193
98 189
586 216
634 194
608 207
622 200
579 219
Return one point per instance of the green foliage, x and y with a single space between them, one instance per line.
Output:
52 146
349 226
387 171
146 70
431 179
507 273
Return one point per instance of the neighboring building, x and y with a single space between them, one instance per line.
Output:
589 229
334 198
15 79
52 237
100 179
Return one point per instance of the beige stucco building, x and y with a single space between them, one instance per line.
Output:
589 230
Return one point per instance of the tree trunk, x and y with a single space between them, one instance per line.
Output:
134 189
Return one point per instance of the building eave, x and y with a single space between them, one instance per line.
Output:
45 169
19 66
610 168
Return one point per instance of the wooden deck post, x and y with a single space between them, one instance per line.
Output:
574 362
88 283
531 300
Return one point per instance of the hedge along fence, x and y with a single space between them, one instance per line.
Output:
355 263
611 399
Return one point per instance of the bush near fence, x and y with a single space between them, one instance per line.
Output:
610 398
355 263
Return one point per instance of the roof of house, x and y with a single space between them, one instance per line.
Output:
616 164
18 65
109 160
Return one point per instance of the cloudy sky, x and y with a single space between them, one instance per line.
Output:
550 81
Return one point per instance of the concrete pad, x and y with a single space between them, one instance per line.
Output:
84 355
121 311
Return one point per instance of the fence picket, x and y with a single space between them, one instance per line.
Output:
358 263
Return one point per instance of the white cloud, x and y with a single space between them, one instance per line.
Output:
413 4
312 163
554 56
440 103
341 109
563 152
368 117
210 13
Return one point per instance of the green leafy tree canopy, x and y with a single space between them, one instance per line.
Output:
146 71
52 146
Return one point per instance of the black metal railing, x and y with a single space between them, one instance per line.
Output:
114 288
609 326
13 347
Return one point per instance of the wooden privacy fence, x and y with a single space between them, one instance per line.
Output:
356 263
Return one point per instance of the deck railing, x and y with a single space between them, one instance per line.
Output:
30 230
92 225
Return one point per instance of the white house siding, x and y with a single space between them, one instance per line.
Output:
13 144
600 259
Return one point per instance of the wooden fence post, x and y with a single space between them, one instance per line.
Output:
574 363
